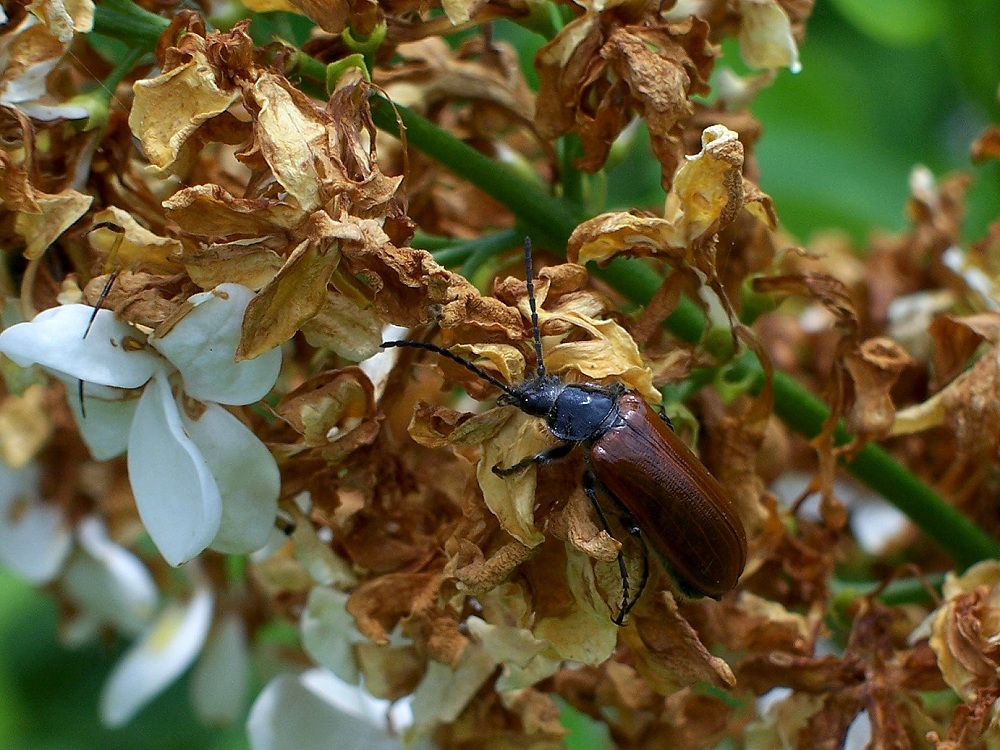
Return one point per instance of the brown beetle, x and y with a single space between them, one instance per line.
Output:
665 494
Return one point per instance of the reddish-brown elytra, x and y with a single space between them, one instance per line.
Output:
664 494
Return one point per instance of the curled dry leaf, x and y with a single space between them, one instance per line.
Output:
668 652
707 193
600 68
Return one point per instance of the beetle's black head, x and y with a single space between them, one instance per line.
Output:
536 397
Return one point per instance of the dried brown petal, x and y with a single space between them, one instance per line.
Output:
667 651
874 368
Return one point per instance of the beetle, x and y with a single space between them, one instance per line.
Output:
663 491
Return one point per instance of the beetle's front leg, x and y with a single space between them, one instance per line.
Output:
552 454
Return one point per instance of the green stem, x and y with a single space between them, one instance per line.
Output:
548 218
553 221
126 21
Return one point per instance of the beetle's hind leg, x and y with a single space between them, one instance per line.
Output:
552 454
590 482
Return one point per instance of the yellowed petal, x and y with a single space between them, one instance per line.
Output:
512 499
58 213
168 108
64 17
25 426
352 331
585 634
765 36
708 187
296 293
290 133
139 248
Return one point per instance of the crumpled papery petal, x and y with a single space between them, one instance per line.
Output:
521 654
109 584
765 36
290 132
245 474
34 536
964 631
202 346
511 499
64 17
133 245
177 497
585 634
708 192
329 633
165 651
169 108
112 353
59 211
444 692
219 680
309 711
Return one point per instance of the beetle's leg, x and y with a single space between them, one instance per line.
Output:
666 420
589 482
628 521
552 454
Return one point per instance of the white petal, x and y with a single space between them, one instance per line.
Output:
245 473
328 633
111 354
219 681
203 347
317 712
175 493
109 413
34 536
165 651
109 583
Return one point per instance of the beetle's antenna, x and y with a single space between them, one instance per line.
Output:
454 358
535 332
108 268
112 275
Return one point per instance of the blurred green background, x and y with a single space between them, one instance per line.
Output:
884 85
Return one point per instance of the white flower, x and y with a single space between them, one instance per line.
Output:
162 655
108 584
200 477
317 710
34 538
220 678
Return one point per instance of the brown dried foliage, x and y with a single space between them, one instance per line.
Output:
504 588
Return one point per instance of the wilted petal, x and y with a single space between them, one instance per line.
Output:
329 633
203 347
111 354
318 711
169 108
59 211
109 583
176 495
34 537
765 36
245 474
159 658
219 681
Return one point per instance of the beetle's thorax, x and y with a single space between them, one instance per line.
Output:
574 413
